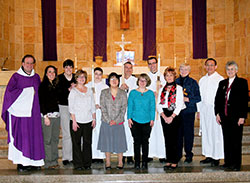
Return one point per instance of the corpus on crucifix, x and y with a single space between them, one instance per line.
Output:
124 14
122 45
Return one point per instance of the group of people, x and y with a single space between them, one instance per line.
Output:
131 117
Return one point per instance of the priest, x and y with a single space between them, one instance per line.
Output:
21 114
156 140
211 131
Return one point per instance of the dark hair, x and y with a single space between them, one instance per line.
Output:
146 77
80 72
215 62
98 69
68 62
170 70
151 58
111 75
45 77
128 62
29 56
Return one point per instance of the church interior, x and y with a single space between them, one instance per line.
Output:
227 38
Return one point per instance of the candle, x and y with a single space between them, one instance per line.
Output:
159 64
175 61
75 62
92 77
185 60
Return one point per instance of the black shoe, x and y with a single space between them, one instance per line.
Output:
188 160
150 159
100 161
108 167
144 165
137 165
34 168
173 167
87 167
205 161
22 168
167 167
162 160
130 160
119 167
235 167
225 166
215 162
78 168
66 162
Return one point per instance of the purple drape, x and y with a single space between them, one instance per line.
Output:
149 28
49 30
199 9
100 28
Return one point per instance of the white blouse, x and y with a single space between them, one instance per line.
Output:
179 101
82 105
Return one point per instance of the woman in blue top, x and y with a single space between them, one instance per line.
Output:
141 115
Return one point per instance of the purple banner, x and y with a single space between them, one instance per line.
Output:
100 28
49 30
149 28
199 9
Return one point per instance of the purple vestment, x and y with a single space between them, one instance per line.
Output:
26 131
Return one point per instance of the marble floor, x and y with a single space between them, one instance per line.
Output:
193 172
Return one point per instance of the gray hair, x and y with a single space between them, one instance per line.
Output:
232 63
185 65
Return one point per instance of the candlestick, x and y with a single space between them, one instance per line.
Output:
159 64
92 77
175 61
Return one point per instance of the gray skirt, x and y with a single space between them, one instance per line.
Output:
112 138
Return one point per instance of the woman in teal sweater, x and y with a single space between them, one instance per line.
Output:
141 115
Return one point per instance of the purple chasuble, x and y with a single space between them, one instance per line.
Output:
26 131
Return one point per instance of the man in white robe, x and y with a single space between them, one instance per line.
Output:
128 85
210 130
156 140
99 85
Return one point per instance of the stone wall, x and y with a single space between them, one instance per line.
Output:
228 28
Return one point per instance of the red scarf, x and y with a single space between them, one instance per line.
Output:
171 95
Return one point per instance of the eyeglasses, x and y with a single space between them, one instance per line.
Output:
152 63
212 65
142 80
113 79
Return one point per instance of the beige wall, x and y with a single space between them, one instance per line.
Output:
228 27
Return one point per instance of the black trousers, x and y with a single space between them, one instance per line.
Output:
170 132
186 134
141 134
232 136
81 143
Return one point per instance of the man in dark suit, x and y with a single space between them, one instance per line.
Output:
231 105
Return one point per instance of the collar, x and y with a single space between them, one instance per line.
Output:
23 73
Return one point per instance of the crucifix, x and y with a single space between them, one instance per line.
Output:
122 45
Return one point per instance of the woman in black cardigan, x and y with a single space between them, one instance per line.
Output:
48 98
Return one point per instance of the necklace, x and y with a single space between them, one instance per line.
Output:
142 92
